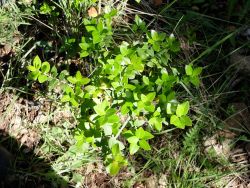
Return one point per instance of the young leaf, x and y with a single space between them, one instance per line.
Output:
150 97
189 69
37 62
144 145
133 148
34 75
42 78
124 48
195 81
72 79
126 108
84 54
133 139
154 35
45 67
97 37
100 109
65 98
182 109
73 102
139 133
156 122
186 120
113 168
31 68
53 71
115 149
197 71
107 129
145 80
175 120
142 134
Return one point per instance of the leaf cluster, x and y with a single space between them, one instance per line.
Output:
130 96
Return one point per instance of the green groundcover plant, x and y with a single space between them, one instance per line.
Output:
129 96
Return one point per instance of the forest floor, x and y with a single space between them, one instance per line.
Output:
39 130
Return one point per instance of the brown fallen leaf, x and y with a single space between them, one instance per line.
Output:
92 12
5 50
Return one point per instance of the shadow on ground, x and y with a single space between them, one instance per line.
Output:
25 168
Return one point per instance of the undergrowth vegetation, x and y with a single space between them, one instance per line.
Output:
143 84
129 94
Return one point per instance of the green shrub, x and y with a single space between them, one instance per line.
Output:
129 95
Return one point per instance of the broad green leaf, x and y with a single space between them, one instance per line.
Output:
169 108
107 129
154 35
72 79
42 78
156 122
115 149
129 86
90 28
150 107
133 148
84 54
171 96
133 139
37 62
100 26
145 80
113 118
69 90
73 102
128 134
147 135
113 168
31 68
139 22
139 133
186 120
84 46
144 145
112 141
195 81
175 120
197 71
97 38
100 109
45 67
85 81
151 96
143 98
189 69
65 98
182 109
63 74
139 123
34 75
142 134
81 79
156 47
53 71
78 76
161 36
124 48
126 108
